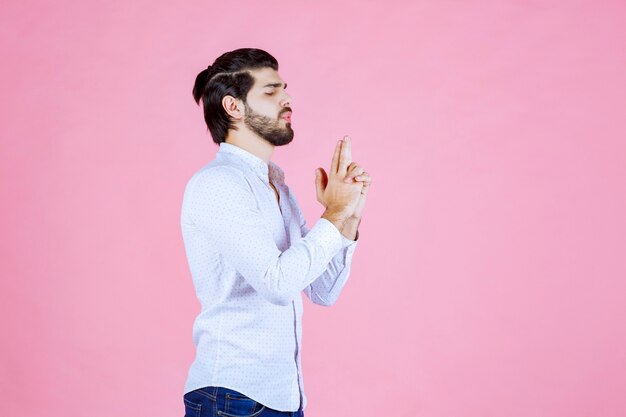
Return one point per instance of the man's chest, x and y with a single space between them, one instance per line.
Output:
273 202
277 194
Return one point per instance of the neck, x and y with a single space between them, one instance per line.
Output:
251 142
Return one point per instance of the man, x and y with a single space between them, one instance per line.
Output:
248 247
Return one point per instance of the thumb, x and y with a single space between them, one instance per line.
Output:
319 182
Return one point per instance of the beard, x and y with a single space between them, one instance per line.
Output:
269 129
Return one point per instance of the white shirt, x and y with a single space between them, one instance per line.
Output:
250 258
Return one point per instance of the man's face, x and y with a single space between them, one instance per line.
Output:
267 108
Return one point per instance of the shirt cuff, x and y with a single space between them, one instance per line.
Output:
345 242
327 234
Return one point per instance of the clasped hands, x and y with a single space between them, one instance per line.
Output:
344 189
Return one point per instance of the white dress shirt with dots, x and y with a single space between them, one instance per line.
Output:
250 258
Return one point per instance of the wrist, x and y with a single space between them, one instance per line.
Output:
350 229
336 216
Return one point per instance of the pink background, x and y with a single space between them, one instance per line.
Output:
491 275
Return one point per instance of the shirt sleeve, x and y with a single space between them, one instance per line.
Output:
223 207
326 288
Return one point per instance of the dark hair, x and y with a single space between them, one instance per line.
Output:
228 75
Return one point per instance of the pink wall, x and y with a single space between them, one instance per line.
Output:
490 279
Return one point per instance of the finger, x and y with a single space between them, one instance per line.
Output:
345 157
319 190
335 162
352 173
321 182
364 177
366 182
324 178
352 166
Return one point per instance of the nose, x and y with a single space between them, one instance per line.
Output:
286 101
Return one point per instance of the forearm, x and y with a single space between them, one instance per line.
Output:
350 229
326 288
347 225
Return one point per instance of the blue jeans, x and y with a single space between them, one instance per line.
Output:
224 402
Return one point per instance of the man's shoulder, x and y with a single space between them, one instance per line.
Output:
217 174
216 188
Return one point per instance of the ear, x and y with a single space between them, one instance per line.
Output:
233 106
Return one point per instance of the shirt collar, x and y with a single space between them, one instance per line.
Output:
256 164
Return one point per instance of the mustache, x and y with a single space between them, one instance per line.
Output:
287 109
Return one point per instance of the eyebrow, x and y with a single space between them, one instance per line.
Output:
275 85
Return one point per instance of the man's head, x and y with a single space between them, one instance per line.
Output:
242 89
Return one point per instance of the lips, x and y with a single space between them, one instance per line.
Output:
287 116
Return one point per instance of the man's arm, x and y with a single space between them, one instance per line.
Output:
326 288
222 206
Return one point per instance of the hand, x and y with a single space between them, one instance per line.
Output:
333 192
356 173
